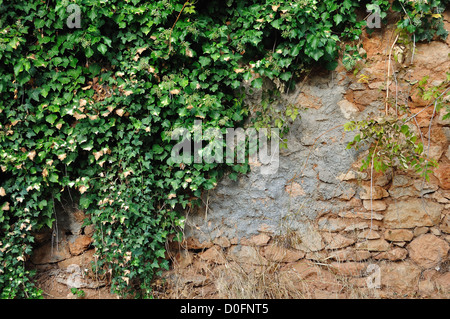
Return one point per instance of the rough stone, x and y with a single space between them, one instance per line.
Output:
428 250
310 240
369 234
337 241
398 235
367 96
435 152
348 193
222 242
213 254
348 109
314 277
432 57
70 221
435 231
373 245
401 181
309 101
332 224
442 113
194 243
361 215
399 192
420 231
76 279
380 85
84 260
426 287
354 203
295 190
357 226
445 224
259 240
350 254
439 197
443 283
425 187
402 277
353 269
382 179
446 131
427 282
304 268
79 244
319 256
412 213
183 259
357 86
246 254
89 230
447 238
443 174
376 205
395 254
276 253
378 192
352 175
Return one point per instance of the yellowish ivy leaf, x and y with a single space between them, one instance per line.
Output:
82 189
31 155
120 112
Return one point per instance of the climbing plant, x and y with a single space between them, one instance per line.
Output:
90 110
392 138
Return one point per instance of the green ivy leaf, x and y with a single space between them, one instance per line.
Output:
257 83
51 118
337 19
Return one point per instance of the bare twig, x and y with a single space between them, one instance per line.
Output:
171 30
389 76
425 108
371 189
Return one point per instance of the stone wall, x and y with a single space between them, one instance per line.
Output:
315 219
312 229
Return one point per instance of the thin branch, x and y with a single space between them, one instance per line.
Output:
371 188
389 76
414 35
411 117
171 30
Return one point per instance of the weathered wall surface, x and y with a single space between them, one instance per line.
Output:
319 212
311 229
259 202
